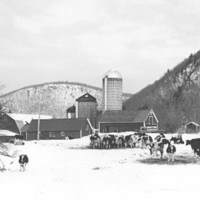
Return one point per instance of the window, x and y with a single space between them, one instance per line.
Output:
52 134
151 120
62 134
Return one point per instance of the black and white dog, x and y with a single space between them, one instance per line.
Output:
23 160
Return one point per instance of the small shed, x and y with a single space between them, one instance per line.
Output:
59 129
192 127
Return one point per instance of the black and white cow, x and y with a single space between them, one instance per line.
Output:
23 161
156 147
95 141
177 140
171 149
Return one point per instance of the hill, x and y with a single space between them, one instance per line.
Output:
54 97
175 97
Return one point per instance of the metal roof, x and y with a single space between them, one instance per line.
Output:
86 98
58 124
124 116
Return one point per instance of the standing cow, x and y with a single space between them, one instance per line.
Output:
23 161
171 149
195 145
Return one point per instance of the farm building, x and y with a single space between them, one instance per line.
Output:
21 119
8 123
112 90
87 108
192 127
58 129
123 120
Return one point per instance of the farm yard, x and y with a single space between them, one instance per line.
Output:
70 169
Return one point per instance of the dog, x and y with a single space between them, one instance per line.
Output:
23 161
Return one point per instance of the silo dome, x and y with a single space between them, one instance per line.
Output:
113 74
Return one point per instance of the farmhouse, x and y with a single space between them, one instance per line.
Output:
123 120
58 128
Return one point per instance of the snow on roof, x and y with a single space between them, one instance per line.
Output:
27 117
7 133
192 123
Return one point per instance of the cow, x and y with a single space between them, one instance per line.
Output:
171 149
18 140
195 145
156 147
95 141
146 140
23 161
19 137
159 137
121 142
134 139
177 140
106 141
128 140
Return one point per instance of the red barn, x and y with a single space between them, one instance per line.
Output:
59 128
123 120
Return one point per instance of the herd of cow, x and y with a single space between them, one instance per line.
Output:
156 146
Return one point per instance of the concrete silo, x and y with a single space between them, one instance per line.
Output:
112 90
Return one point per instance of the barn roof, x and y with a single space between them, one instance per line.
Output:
19 123
27 117
86 98
58 124
25 128
124 116
194 123
7 123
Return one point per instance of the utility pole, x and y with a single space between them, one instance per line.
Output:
38 127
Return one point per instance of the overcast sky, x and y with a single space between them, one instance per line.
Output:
80 40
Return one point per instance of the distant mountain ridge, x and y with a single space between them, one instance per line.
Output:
175 97
54 97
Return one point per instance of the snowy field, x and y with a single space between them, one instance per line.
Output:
69 170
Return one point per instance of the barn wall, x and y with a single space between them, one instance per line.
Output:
119 127
31 135
151 122
6 139
86 130
6 122
88 110
45 135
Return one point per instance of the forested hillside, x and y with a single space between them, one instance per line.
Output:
175 97
54 98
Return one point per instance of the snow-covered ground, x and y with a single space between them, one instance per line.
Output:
69 170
